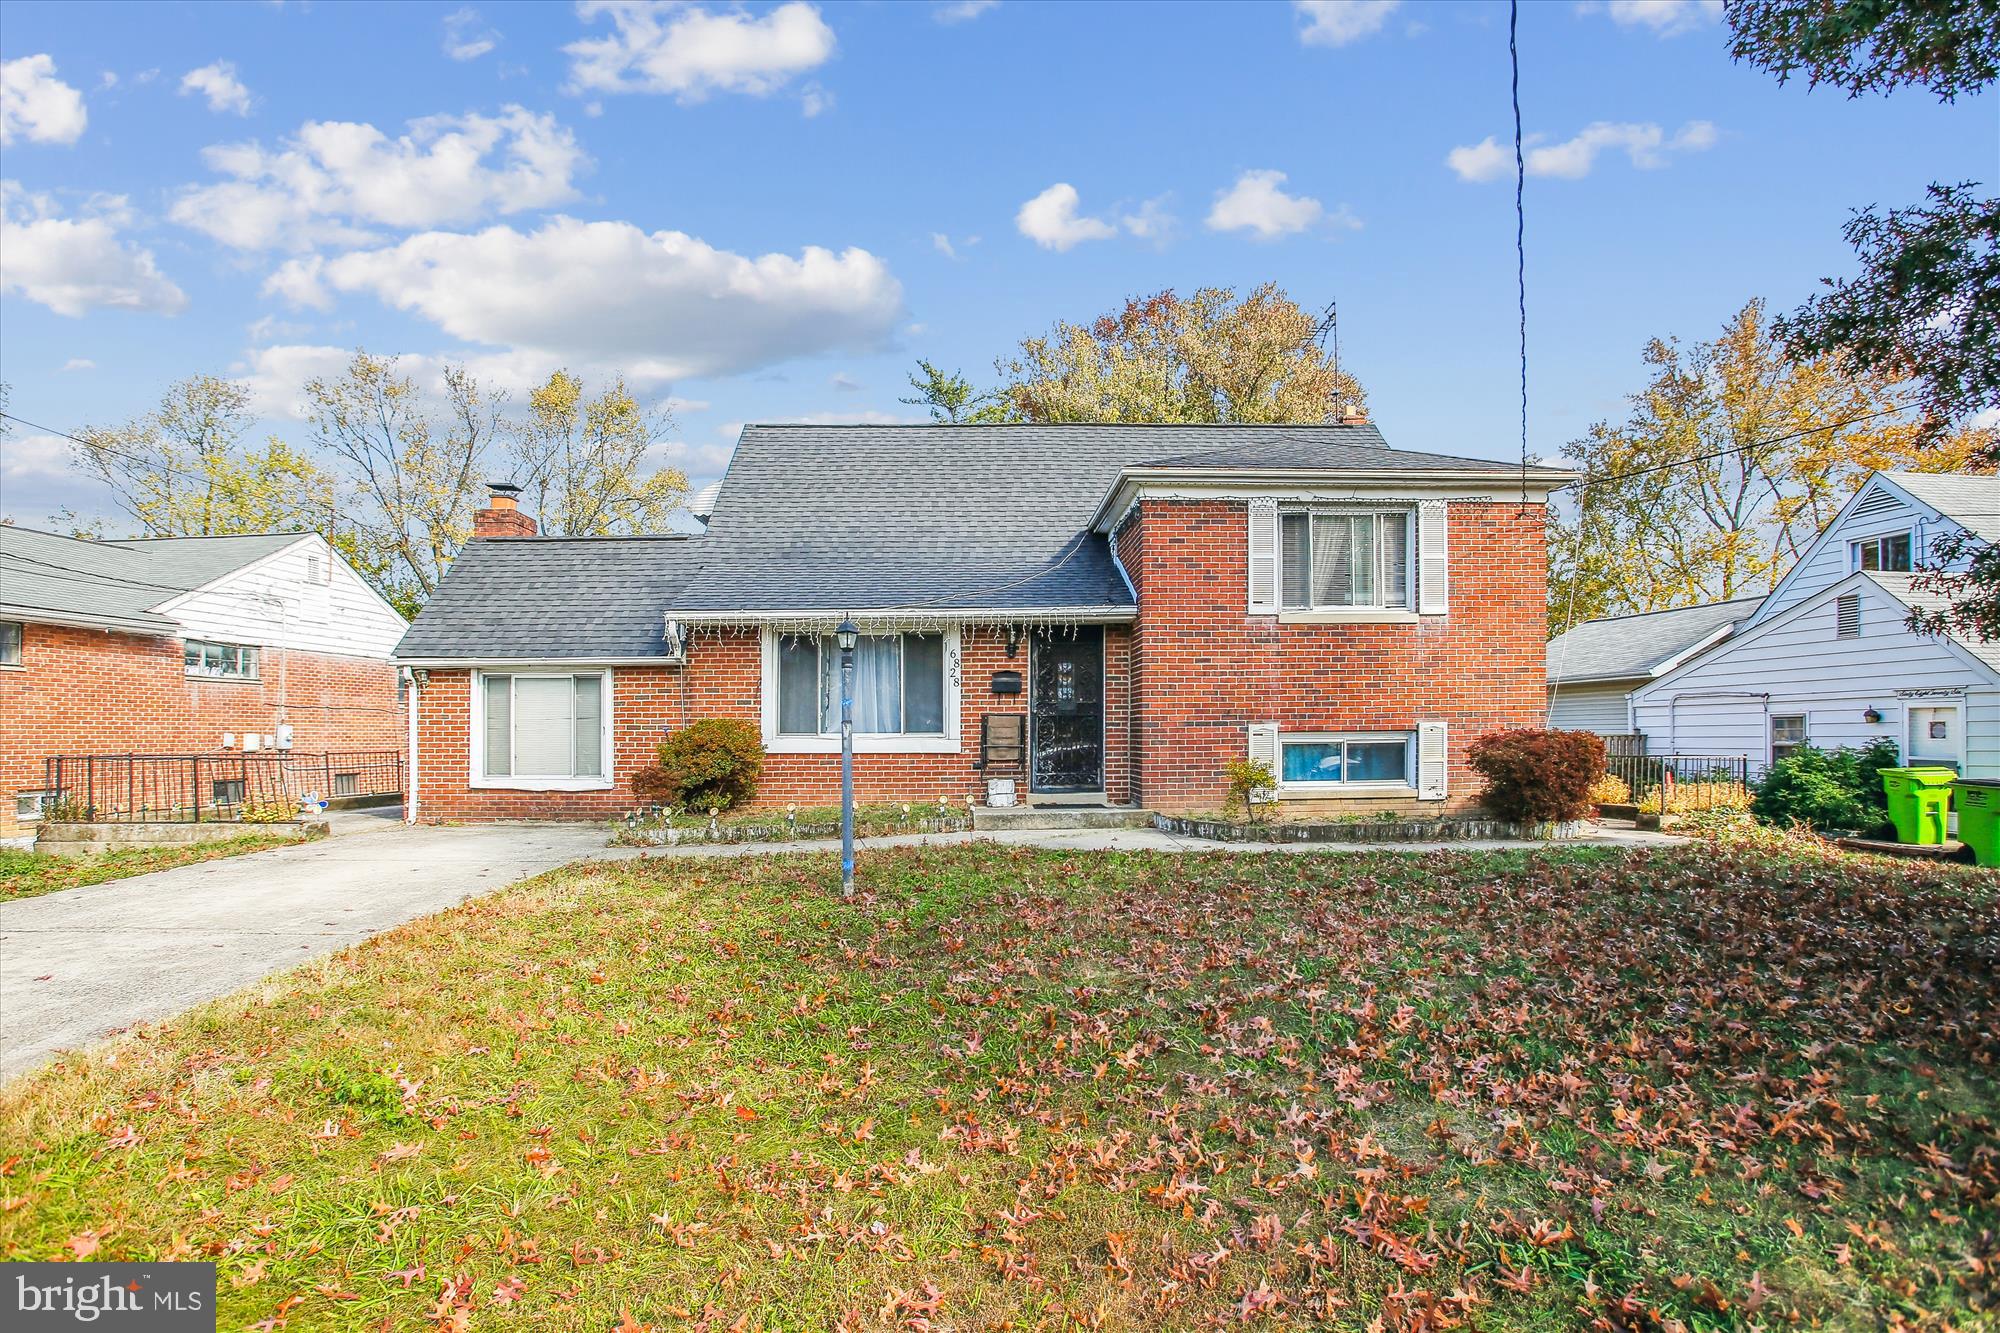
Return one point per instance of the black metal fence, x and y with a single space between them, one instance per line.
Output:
195 788
1685 781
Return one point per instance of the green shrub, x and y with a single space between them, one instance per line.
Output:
1247 779
1538 777
1828 789
712 764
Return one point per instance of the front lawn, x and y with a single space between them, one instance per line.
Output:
1689 1087
26 875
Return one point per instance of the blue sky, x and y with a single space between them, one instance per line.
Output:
766 213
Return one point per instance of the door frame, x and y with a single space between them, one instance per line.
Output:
1034 713
1910 710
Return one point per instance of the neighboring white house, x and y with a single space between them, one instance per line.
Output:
1826 658
1594 667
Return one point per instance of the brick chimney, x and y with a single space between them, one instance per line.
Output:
1354 416
502 516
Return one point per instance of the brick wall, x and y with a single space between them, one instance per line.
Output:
723 678
83 691
1203 669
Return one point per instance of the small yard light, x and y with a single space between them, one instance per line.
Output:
847 636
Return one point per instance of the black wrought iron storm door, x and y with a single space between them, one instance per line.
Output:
1066 710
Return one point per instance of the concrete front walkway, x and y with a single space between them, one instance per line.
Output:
80 964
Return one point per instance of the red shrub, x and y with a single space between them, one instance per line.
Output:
715 763
1536 777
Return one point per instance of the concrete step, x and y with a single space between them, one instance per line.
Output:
991 820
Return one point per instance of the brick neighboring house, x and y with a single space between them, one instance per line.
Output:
167 645
1153 600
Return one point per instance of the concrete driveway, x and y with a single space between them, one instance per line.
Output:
81 964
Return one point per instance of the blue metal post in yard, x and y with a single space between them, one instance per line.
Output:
847 635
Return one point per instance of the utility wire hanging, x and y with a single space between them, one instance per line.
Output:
1520 229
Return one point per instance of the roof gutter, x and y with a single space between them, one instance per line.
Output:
1012 615
1543 479
158 626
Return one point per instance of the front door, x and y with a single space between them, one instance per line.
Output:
1066 710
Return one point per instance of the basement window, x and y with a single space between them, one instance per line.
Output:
1309 762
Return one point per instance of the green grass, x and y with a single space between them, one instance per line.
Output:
813 821
25 875
1699 1086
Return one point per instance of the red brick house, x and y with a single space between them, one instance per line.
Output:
1153 600
185 645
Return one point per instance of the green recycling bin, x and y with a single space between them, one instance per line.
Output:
1978 801
1918 801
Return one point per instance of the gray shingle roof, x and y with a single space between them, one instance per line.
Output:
527 597
1899 587
1974 502
115 584
1630 647
859 518
826 520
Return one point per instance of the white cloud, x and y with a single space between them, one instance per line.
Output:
1338 22
334 179
663 305
1256 204
36 105
79 363
76 264
962 11
466 36
1152 221
27 456
219 84
1646 145
942 244
691 52
699 461
1665 18
814 99
844 382
1051 221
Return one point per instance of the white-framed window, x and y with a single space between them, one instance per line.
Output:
1341 559
1788 733
906 688
1335 762
30 806
10 643
1890 552
542 729
219 661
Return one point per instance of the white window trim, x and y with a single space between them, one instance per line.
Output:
864 743
1405 614
1854 545
195 673
1771 741
1406 788
477 778
1910 757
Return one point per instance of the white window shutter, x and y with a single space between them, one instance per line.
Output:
1264 750
1433 559
1433 759
1263 557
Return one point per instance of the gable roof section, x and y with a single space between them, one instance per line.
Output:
1640 646
1982 654
553 598
188 563
120 585
835 519
1971 502
1899 586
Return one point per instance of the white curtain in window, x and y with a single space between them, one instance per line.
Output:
1396 559
878 684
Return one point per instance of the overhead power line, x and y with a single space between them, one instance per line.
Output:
1587 482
